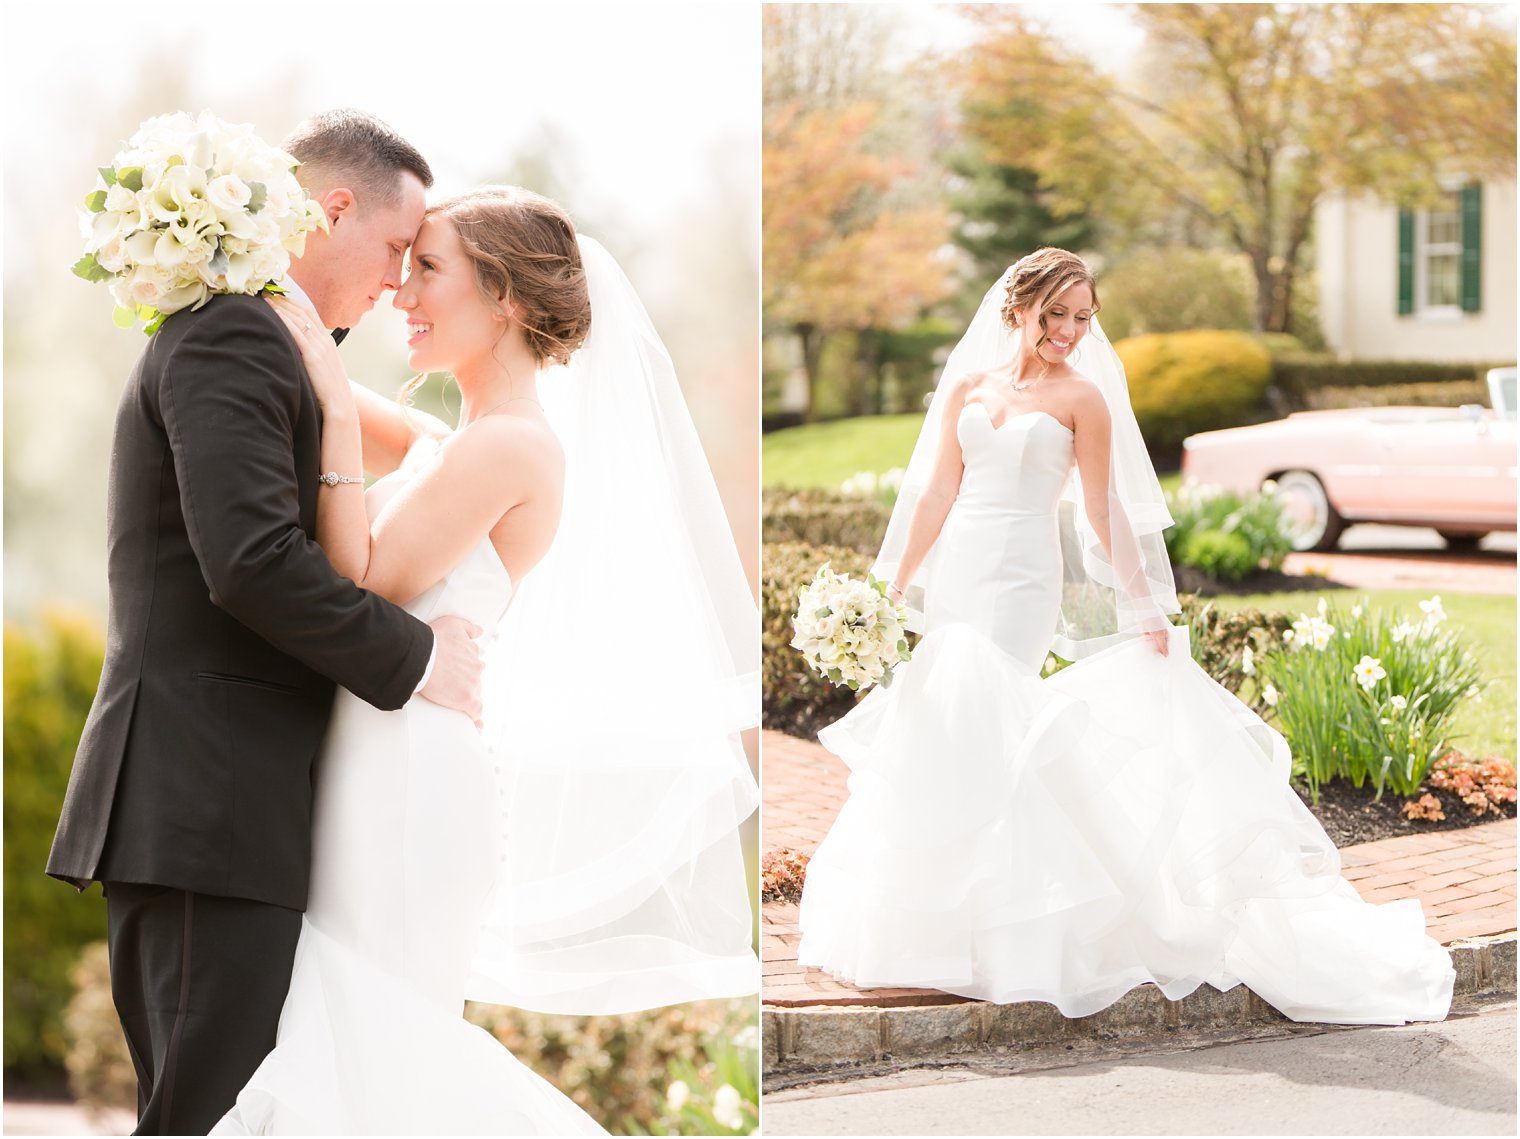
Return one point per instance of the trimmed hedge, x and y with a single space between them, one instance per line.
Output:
1297 376
1219 640
796 699
1181 383
50 678
1445 393
821 516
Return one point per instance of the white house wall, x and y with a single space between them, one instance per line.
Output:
1356 244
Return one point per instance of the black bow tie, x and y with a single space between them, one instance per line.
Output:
338 334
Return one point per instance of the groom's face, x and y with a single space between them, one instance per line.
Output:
363 253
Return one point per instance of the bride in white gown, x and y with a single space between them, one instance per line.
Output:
581 856
1126 820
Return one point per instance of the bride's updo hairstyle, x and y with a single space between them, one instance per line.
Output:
1039 279
524 250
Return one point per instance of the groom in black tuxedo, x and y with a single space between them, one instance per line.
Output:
190 797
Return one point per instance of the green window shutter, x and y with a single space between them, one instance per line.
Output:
1472 249
1406 262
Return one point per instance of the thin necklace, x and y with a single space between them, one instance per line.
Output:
1019 385
503 403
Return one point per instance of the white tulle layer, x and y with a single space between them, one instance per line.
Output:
1125 821
363 1054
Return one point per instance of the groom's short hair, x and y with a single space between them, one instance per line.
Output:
353 148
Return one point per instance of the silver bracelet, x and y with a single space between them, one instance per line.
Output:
333 478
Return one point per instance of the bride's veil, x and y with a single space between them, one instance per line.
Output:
626 666
1107 594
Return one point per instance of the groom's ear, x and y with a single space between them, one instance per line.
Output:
336 203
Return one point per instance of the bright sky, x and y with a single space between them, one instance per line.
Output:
465 81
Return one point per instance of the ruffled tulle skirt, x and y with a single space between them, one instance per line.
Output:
1125 821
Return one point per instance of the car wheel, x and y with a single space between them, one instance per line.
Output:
1461 543
1312 522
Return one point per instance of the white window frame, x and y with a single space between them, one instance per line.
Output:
1424 249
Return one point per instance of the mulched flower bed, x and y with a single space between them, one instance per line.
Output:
1351 815
1190 580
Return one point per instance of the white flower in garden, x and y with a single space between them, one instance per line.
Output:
1401 632
1248 661
1269 696
1314 631
1368 671
1434 614
1356 611
893 479
862 484
1323 606
677 1095
1269 487
1473 693
1399 703
726 1107
748 1038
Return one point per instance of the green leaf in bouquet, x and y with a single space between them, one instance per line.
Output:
123 317
154 318
834 675
258 194
89 269
822 613
107 175
854 684
130 177
886 679
902 648
95 201
174 160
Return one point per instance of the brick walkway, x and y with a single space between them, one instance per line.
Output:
1464 878
1433 570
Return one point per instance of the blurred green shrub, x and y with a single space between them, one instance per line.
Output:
621 1069
1173 288
822 516
1184 382
1441 393
51 672
1300 375
1227 645
1226 534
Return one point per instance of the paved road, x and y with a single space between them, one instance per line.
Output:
1456 1078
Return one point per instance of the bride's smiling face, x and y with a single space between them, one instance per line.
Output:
1065 322
449 320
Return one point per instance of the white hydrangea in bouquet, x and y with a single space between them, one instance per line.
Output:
192 207
850 631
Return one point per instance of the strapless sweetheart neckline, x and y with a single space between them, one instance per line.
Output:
1021 415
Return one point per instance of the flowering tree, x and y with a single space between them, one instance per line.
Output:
1242 116
855 234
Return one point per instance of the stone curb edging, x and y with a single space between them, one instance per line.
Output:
827 1039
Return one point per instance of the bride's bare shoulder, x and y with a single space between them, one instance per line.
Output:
1084 397
962 386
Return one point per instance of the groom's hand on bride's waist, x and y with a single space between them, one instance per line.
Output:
457 665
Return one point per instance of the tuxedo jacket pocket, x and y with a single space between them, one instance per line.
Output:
249 682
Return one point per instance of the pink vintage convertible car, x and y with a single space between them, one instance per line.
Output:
1449 468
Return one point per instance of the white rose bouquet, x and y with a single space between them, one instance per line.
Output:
850 631
192 207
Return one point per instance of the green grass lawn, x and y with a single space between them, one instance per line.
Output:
825 454
1486 727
